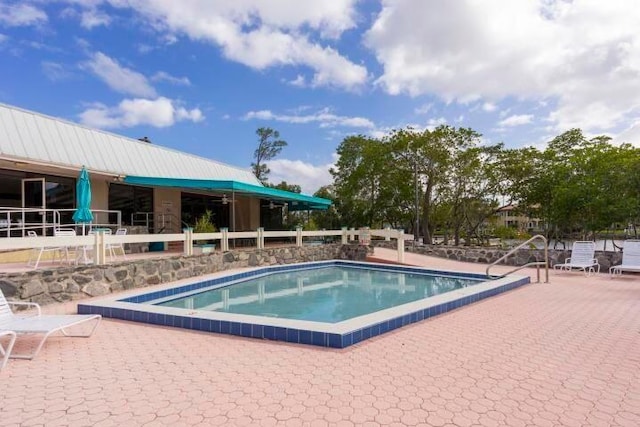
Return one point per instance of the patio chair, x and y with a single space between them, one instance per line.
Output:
582 258
6 352
39 324
630 258
36 253
113 247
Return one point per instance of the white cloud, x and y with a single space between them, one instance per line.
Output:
489 107
21 15
119 78
423 109
164 76
160 112
3 38
435 122
630 135
263 34
92 18
324 117
516 120
299 81
55 71
309 177
583 55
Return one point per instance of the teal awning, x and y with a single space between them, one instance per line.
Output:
295 201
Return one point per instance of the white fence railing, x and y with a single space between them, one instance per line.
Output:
98 243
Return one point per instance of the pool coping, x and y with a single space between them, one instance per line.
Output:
335 335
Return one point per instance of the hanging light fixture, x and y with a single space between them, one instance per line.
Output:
271 205
225 200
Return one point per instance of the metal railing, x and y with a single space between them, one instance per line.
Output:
158 222
545 263
15 222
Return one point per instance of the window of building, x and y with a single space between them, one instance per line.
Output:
194 205
129 200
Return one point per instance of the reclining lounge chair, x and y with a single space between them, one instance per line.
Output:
582 258
42 324
630 258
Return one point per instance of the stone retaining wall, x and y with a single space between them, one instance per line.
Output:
77 282
488 255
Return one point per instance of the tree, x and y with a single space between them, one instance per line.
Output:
269 146
577 186
283 185
328 219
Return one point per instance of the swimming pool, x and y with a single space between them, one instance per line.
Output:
329 304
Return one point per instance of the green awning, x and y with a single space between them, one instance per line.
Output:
295 201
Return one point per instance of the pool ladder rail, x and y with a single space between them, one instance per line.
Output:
538 264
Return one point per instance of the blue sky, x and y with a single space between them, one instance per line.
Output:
202 75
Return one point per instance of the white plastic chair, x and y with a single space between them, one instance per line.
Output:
38 324
6 352
36 253
112 247
582 258
630 258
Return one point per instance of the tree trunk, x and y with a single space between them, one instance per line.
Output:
426 215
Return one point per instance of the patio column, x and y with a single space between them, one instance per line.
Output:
345 237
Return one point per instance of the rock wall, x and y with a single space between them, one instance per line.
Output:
489 255
77 282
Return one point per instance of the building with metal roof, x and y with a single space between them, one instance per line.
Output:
42 155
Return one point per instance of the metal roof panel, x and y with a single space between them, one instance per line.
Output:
41 138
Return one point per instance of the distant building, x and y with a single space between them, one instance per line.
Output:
508 216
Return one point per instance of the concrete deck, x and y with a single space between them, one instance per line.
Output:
565 353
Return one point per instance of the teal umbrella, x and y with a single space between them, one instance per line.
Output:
83 199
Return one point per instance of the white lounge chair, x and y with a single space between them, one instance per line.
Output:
6 352
630 258
582 258
45 324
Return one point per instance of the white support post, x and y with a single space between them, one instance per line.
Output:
224 241
99 248
260 238
345 237
352 234
188 241
298 236
387 235
401 246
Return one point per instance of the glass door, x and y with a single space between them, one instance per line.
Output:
34 203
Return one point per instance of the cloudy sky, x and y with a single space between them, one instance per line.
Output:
202 75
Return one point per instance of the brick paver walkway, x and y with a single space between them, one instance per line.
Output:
565 353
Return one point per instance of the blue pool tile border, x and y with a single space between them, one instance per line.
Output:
291 335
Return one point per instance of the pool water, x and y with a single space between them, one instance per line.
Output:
327 294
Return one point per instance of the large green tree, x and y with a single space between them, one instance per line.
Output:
269 146
578 186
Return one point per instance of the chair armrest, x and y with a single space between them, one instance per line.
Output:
27 304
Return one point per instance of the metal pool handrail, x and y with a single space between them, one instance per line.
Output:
529 264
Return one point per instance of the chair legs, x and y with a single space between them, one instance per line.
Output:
64 332
6 352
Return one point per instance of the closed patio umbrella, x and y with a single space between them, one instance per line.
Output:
83 199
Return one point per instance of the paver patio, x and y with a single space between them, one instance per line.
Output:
564 353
